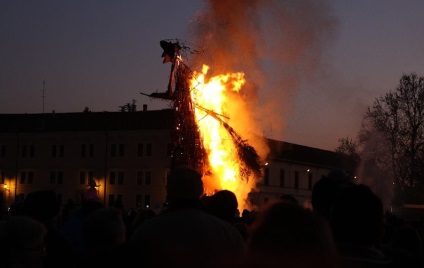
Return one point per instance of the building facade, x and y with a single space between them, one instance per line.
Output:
128 155
293 169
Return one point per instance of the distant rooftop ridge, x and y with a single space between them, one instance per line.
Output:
84 121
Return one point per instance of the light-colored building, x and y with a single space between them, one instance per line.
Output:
293 169
128 154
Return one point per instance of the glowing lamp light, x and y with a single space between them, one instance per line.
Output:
6 188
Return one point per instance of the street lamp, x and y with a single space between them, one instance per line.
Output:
6 188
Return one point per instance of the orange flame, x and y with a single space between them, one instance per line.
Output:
213 96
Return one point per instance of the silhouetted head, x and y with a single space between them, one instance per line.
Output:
358 217
223 204
22 242
287 233
103 228
42 205
183 184
326 190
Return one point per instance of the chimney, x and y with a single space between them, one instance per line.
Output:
144 107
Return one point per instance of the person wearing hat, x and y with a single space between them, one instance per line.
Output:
92 193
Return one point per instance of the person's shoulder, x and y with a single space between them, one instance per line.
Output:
149 226
225 227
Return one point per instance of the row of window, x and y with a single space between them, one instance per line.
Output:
142 178
56 177
282 179
87 150
140 200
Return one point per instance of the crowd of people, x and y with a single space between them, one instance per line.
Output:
346 227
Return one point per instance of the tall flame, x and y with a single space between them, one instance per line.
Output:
212 96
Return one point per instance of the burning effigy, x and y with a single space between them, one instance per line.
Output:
203 137
258 54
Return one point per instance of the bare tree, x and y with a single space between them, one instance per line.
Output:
348 147
129 107
396 121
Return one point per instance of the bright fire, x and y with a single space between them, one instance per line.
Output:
214 94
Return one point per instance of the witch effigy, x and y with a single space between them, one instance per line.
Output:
92 193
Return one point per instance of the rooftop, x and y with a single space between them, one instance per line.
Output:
84 121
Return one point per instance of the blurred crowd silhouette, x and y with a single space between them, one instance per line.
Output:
346 227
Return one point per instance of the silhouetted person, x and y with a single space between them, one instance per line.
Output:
243 229
17 207
405 247
43 206
357 222
92 193
185 235
141 216
326 190
103 231
72 227
22 242
288 235
66 212
223 204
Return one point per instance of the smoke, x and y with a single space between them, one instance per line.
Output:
374 170
277 44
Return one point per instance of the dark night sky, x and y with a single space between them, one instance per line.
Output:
102 54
